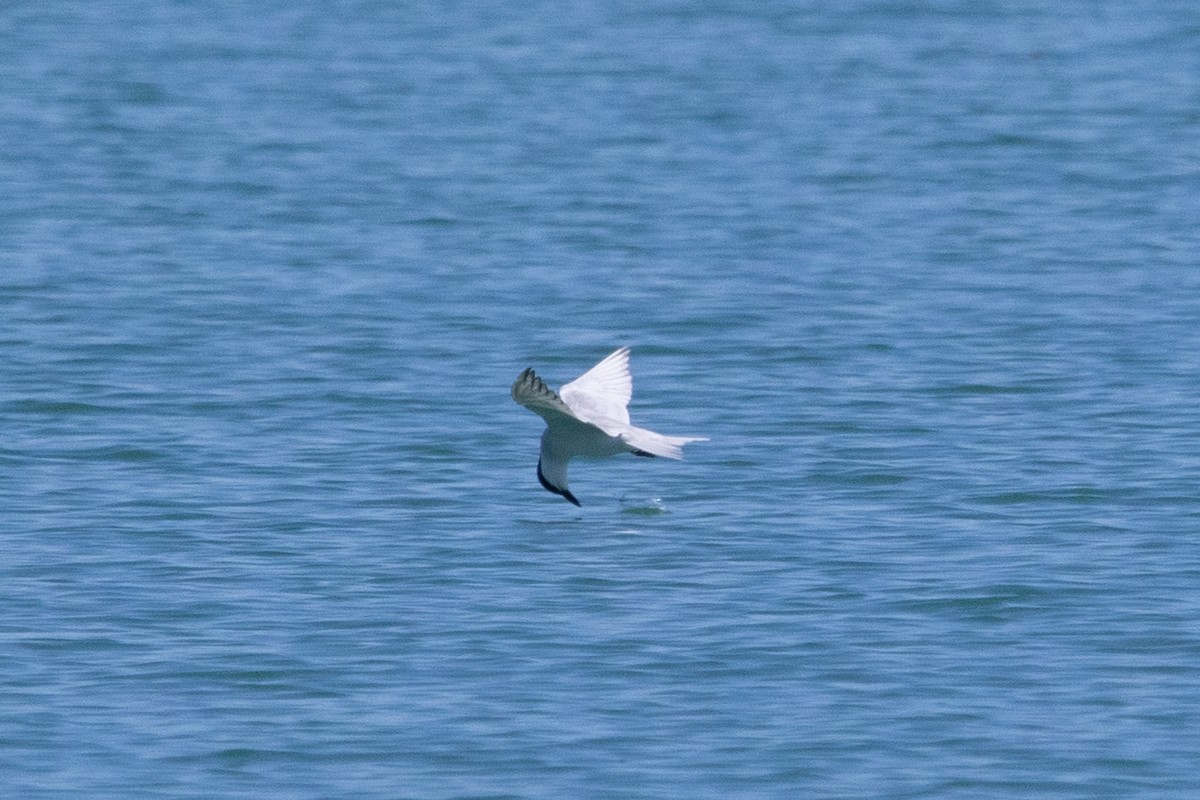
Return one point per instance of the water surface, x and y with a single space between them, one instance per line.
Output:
924 275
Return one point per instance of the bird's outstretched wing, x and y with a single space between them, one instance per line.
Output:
602 393
532 392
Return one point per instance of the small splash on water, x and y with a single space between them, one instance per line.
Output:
643 506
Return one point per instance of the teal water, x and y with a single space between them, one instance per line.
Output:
925 275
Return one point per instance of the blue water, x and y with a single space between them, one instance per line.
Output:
925 273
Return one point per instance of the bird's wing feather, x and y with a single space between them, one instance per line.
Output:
602 393
532 392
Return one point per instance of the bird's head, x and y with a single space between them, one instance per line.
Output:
555 480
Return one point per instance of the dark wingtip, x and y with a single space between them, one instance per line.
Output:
554 489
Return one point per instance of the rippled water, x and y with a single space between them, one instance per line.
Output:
925 275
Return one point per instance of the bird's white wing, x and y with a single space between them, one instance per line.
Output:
602 393
532 392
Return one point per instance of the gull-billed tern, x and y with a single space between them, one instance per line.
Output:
589 417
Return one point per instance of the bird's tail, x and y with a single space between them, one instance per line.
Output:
656 443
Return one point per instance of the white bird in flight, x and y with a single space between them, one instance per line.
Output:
589 417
